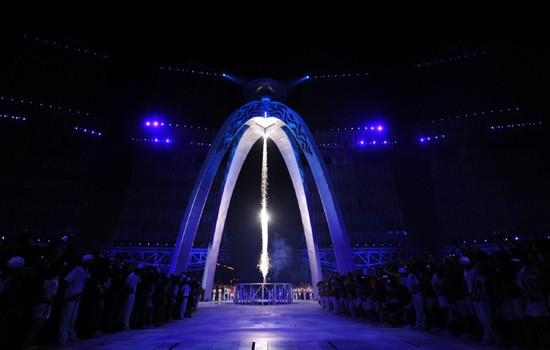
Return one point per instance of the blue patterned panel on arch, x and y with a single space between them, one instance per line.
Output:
239 117
294 124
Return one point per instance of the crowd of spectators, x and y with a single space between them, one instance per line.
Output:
52 294
500 297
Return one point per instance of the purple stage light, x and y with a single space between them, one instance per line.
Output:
148 123
155 123
379 128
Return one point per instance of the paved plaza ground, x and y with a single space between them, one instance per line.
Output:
301 325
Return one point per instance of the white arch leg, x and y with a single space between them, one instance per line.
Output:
285 147
246 142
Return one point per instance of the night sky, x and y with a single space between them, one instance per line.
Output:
285 42
258 40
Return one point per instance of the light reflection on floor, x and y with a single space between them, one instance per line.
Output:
300 325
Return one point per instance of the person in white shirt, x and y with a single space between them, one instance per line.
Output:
412 283
49 275
74 282
186 291
131 283
477 286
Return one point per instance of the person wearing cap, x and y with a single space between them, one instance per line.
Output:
16 291
13 264
73 284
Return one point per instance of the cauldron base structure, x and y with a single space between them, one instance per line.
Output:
262 293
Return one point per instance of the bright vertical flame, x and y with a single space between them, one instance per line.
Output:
264 258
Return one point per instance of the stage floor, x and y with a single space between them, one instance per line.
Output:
300 325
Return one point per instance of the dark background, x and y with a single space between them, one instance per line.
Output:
284 42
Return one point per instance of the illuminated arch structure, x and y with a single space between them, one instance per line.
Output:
263 115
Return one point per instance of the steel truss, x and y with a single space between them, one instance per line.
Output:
362 257
161 257
367 257
262 293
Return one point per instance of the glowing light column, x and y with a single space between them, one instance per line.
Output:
264 258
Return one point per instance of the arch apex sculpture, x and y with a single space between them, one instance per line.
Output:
263 115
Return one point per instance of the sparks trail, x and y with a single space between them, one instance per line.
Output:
264 258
